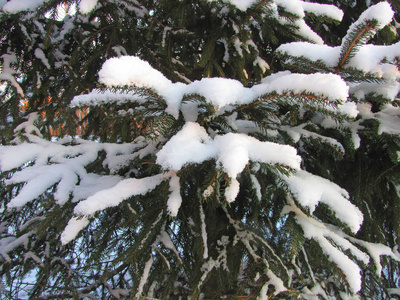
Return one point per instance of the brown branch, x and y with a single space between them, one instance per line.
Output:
353 43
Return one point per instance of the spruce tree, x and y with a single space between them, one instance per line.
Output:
199 149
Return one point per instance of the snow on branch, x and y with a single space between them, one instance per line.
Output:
371 69
123 190
231 151
8 244
332 245
15 6
381 13
7 72
374 18
220 92
309 190
62 163
299 8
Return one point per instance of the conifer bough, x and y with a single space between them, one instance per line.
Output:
226 150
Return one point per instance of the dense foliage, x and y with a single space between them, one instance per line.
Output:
199 149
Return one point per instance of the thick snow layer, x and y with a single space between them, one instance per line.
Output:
93 183
330 86
26 153
86 6
375 59
115 195
329 55
292 6
381 12
310 190
369 58
175 198
318 9
220 92
7 72
187 146
129 70
299 8
232 151
64 165
74 226
15 6
40 54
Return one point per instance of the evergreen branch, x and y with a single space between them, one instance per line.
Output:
86 290
304 64
360 35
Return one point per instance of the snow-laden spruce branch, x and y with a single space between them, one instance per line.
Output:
62 163
354 56
38 166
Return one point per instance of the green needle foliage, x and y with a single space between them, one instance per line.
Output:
255 156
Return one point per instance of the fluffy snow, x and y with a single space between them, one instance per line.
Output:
232 190
15 6
86 6
330 86
38 181
369 59
131 70
381 12
145 275
40 54
175 198
203 232
328 10
332 245
115 195
93 183
8 159
309 190
74 226
292 6
299 8
329 55
187 146
54 163
7 72
220 92
232 151
375 59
